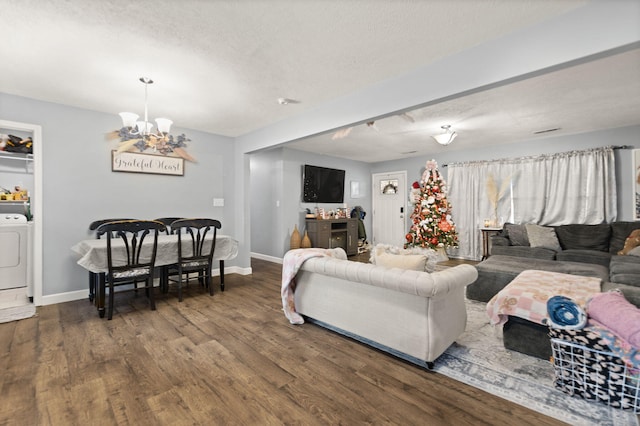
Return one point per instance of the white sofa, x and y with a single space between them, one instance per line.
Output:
411 314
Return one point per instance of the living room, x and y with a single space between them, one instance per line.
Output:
75 183
72 162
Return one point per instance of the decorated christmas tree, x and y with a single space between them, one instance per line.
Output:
431 223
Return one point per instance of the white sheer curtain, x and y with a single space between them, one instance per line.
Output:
557 189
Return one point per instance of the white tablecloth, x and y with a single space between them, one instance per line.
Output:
93 252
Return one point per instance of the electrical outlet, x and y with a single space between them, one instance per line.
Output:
218 202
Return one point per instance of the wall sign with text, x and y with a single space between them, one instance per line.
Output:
135 162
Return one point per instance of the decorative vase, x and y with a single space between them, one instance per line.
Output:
306 241
295 238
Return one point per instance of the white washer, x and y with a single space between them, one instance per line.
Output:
14 249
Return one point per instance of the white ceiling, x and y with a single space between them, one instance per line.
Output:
219 66
600 94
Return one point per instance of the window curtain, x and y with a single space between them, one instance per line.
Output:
557 189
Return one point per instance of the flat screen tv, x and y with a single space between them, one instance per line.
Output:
322 185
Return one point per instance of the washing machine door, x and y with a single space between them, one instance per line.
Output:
13 256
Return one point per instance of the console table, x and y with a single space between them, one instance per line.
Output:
332 233
486 233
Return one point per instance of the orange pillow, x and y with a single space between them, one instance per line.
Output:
632 241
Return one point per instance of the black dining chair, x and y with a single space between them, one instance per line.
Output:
93 277
168 221
131 261
195 254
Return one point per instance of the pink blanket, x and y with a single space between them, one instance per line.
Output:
627 352
613 311
526 296
291 263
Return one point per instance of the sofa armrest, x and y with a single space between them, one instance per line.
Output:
625 269
499 240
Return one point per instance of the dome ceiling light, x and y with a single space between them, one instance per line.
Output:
447 137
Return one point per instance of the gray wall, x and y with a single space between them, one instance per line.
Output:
80 187
276 195
266 198
276 175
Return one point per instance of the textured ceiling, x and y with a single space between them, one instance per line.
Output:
219 66
596 95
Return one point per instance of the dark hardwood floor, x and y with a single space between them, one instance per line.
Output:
228 359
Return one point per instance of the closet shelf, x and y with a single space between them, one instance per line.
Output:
27 158
16 156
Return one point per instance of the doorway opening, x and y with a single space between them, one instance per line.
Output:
26 272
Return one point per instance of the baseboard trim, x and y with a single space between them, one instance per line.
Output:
72 296
267 258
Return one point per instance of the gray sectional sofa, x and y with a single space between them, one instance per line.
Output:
589 250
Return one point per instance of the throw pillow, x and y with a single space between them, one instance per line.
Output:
517 234
584 237
619 233
632 241
415 262
542 236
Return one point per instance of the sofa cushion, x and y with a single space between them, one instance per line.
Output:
585 256
517 234
542 236
523 251
498 271
431 256
619 233
415 262
625 269
584 237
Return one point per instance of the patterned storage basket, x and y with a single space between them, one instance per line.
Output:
584 367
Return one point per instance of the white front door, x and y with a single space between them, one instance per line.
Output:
389 208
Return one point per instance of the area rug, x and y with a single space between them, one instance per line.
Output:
17 313
478 358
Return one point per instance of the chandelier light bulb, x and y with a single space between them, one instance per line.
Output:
144 128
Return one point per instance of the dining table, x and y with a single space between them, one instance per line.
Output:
93 257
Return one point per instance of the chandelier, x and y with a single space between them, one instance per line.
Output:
140 134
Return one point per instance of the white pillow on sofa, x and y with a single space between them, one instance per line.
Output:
415 262
542 236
